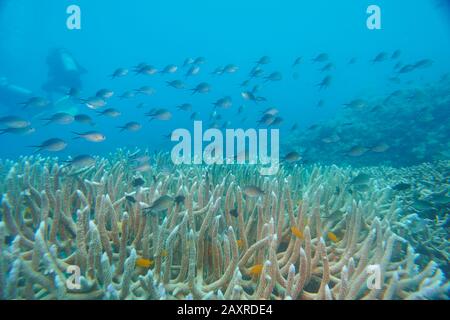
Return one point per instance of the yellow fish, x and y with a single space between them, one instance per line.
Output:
144 263
296 232
256 270
332 237
239 243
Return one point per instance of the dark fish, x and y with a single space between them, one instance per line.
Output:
425 63
194 70
119 73
159 114
322 57
247 95
234 213
38 102
104 93
297 61
18 131
171 68
130 199
396 54
253 191
85 119
402 186
131 126
224 103
185 107
294 127
177 84
94 102
138 182
407 69
382 56
127 95
274 76
327 67
292 157
230 68
256 72
81 161
179 199
263 60
91 136
110 112
146 90
218 71
201 88
357 151
360 179
60 118
53 145
14 122
160 204
199 60
325 82
277 121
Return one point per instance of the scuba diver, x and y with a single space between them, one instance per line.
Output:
64 73
64 76
12 95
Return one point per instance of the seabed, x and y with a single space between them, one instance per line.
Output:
73 233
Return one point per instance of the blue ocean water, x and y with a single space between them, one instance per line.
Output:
122 34
373 102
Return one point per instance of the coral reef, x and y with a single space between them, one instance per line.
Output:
306 237
404 128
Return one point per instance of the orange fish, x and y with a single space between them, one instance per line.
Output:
296 232
256 269
332 237
144 263
239 243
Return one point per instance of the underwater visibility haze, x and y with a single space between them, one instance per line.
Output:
116 176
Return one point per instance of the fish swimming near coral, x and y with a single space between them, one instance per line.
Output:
130 199
402 186
138 182
81 161
253 191
332 236
234 213
92 136
52 145
162 203
180 199
361 178
144 263
298 233
256 270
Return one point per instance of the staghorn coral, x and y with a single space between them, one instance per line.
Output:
54 217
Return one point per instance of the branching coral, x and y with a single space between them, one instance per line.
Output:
54 217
